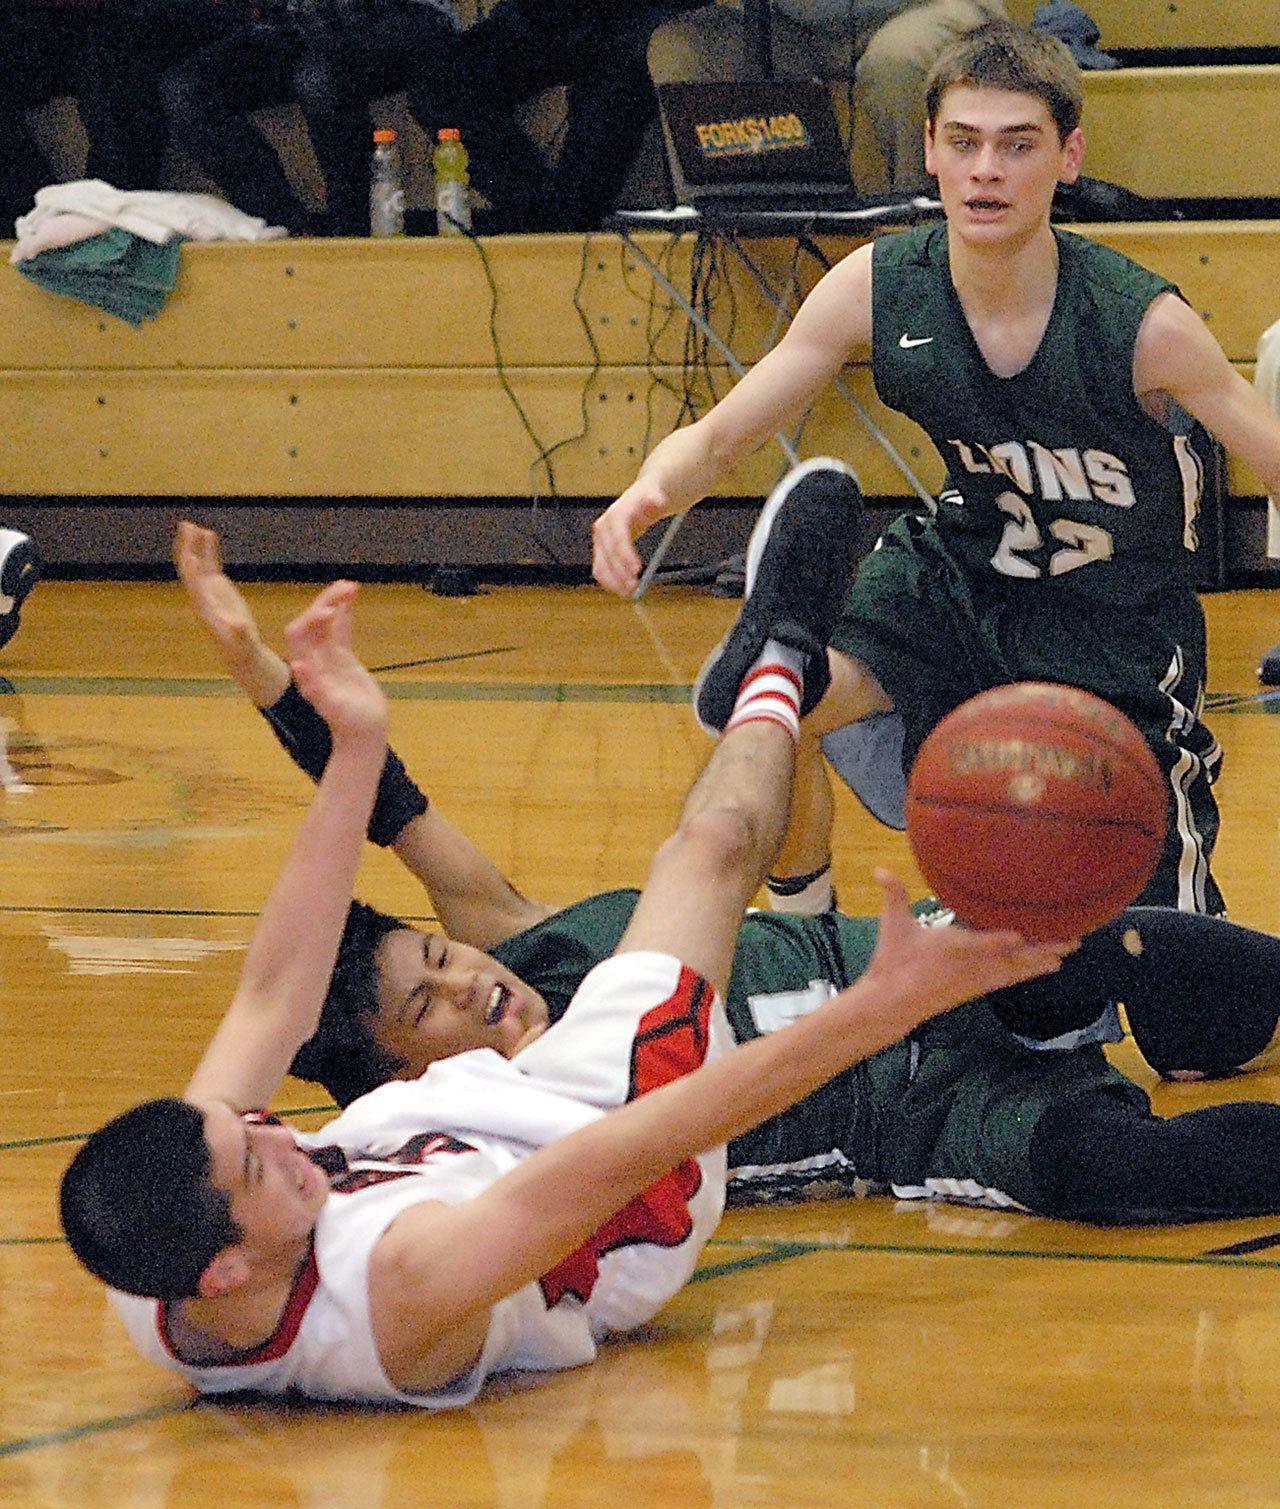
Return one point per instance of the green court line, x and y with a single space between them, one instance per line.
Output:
122 911
790 1249
473 691
780 1253
21 1142
397 691
94 1427
81 1136
16 909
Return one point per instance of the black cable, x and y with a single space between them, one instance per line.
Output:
658 318
593 376
500 365
712 291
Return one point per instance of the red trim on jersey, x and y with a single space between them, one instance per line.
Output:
660 1217
281 1339
672 1037
671 1040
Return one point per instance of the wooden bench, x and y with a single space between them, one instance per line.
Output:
1175 25
383 402
1209 132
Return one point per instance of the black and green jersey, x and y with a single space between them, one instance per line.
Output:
783 966
1056 474
917 1116
1060 546
555 955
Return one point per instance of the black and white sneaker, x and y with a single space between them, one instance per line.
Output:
19 572
799 564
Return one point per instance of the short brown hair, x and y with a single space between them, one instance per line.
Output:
1006 55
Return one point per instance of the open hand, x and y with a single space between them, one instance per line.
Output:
220 606
327 671
924 970
615 562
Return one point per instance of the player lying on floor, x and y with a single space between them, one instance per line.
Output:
962 1109
497 1213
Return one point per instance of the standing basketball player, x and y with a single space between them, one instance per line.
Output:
1052 374
417 1244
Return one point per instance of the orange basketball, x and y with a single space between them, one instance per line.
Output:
1036 807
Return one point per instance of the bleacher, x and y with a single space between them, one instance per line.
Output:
387 404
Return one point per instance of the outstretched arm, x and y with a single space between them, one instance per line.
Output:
434 1307
292 952
833 326
475 902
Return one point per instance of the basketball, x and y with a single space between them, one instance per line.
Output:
1036 807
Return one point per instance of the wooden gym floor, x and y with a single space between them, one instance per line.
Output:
862 1352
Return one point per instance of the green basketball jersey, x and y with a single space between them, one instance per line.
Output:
1056 474
783 967
555 955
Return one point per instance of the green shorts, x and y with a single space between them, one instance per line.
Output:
964 1127
950 1113
933 635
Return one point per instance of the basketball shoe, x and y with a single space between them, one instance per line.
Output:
799 564
19 572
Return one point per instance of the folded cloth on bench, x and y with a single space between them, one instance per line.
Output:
118 248
122 273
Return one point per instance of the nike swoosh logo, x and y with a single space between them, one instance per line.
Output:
907 341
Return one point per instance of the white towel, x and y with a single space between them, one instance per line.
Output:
154 214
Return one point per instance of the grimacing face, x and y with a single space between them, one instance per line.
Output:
437 997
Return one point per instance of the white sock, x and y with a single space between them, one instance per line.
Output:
771 689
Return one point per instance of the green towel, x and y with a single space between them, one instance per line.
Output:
124 274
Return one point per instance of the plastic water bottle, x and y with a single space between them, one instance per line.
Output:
386 189
449 164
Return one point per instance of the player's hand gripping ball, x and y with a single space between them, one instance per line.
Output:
1036 807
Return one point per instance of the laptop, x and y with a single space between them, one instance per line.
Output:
767 144
764 154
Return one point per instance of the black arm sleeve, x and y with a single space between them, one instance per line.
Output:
305 737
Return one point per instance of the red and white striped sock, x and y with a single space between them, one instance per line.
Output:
771 689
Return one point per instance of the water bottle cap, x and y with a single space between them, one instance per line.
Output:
384 133
449 133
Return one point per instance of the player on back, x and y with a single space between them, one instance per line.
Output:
968 1106
489 1216
1055 378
